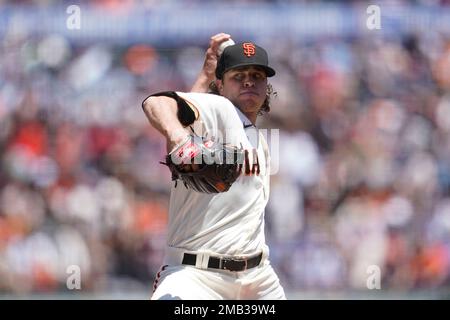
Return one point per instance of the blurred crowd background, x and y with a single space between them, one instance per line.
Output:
364 155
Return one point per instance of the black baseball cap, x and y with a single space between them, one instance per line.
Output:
243 54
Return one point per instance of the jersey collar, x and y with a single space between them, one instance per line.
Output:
245 122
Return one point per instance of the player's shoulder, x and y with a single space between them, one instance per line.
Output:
204 97
209 102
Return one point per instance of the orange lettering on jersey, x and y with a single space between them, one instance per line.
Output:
255 168
249 49
247 163
254 161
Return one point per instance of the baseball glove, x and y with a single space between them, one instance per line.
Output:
205 166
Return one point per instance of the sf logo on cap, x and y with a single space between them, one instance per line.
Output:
249 49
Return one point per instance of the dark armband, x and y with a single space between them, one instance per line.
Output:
185 114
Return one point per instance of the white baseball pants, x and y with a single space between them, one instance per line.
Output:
186 282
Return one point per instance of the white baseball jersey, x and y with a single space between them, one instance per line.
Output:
230 223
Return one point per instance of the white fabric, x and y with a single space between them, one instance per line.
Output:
230 223
189 283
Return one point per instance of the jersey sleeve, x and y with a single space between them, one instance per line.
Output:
186 113
218 115
209 105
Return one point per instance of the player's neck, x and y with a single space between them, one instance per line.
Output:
252 117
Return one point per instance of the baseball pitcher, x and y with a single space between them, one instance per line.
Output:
220 165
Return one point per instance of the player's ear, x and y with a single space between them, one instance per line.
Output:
219 86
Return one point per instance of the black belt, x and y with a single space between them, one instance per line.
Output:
225 263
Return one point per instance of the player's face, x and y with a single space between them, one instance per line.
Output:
246 87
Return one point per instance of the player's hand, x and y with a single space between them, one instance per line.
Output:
207 74
212 54
177 139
